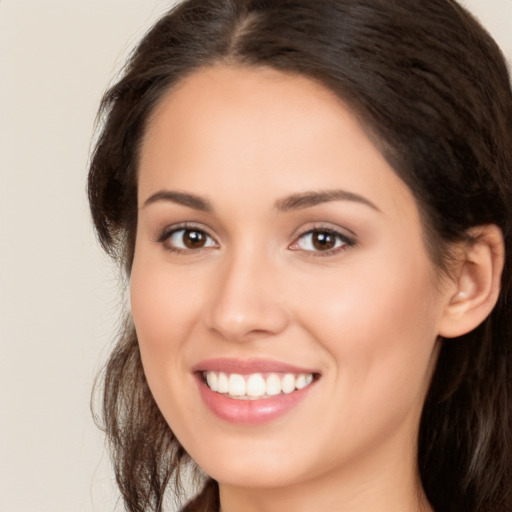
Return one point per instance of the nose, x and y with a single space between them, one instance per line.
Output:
246 302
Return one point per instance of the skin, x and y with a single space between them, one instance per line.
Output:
366 316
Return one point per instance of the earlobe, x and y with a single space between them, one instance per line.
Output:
477 282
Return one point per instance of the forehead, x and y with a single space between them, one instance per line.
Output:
258 129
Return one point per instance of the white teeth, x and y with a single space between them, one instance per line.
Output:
237 385
256 385
288 383
212 379
273 385
222 383
300 383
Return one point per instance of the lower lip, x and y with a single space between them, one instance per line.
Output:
250 412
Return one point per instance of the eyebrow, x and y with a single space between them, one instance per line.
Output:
190 200
309 199
294 202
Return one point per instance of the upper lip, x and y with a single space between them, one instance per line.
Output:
248 366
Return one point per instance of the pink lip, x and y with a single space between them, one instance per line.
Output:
249 412
246 366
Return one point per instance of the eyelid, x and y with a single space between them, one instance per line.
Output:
168 231
347 241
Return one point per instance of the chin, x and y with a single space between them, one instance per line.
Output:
255 465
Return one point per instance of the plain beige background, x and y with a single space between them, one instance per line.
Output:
59 296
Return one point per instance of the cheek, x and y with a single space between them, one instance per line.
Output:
165 308
163 303
378 323
380 337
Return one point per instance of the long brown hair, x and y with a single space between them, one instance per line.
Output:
432 89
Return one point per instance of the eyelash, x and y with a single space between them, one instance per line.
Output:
168 233
342 241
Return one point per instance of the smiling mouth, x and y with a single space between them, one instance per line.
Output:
256 386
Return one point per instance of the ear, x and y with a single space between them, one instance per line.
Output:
476 283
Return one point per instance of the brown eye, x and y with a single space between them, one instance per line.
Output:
189 239
194 239
321 240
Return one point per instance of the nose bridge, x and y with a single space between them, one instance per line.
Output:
246 300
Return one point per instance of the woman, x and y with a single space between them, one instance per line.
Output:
311 199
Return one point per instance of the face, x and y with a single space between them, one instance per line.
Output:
286 308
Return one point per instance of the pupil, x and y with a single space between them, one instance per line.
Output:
323 241
194 239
